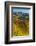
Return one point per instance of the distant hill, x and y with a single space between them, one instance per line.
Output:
20 13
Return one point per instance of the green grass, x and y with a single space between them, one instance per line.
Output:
20 29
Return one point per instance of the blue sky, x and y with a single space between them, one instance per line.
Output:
21 10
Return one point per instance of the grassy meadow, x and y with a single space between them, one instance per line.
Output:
20 25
